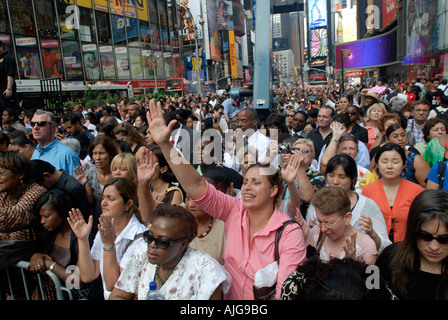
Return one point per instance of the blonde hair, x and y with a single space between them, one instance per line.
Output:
307 142
375 106
129 161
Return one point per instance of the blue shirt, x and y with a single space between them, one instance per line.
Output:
230 109
59 155
433 175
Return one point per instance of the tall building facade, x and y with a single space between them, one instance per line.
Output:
93 40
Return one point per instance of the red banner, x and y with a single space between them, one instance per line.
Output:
357 73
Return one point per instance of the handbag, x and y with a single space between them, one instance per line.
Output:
312 251
265 280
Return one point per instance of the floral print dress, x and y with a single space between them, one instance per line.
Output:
196 276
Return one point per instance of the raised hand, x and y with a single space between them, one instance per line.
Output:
337 129
157 126
289 170
80 176
79 226
366 224
146 168
304 224
107 231
350 247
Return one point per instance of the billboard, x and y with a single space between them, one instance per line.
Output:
318 43
317 14
425 26
389 8
373 51
280 44
187 21
214 40
224 12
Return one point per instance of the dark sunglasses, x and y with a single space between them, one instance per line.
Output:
160 244
39 123
429 237
351 113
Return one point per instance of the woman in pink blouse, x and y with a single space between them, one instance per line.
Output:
250 222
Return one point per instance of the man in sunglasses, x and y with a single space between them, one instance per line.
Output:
50 149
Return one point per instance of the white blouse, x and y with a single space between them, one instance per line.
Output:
196 276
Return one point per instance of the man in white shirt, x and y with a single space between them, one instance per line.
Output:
248 122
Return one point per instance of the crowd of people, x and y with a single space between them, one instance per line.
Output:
190 193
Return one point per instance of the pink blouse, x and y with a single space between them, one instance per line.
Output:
243 257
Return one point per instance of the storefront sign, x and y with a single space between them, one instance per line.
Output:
357 73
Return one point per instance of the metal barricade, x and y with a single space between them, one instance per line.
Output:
62 293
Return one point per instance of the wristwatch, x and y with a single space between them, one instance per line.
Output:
52 266
9 89
110 248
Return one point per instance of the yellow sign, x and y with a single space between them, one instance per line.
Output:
84 3
232 53
101 5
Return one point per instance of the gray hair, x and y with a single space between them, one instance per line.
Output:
72 143
49 114
397 103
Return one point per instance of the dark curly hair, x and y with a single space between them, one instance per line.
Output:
430 123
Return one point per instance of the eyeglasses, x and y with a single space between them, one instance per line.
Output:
39 123
328 225
4 173
429 237
351 113
160 244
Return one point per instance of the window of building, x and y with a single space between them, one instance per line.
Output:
52 58
22 17
135 58
123 67
91 62
107 62
28 58
72 60
103 27
4 20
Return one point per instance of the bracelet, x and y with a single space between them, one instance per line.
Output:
110 248
9 89
52 266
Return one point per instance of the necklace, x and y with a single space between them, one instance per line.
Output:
157 276
203 235
434 270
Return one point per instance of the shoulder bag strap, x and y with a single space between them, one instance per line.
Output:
441 173
137 236
278 235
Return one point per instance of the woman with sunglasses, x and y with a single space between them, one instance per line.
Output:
332 235
392 193
416 267
181 272
251 221
366 215
119 231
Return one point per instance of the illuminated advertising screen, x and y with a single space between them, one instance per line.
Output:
317 13
319 42
374 51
